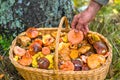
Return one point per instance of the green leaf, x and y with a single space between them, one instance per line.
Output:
0 37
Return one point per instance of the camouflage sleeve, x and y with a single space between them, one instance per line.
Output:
102 2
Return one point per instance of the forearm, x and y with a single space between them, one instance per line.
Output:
93 7
92 10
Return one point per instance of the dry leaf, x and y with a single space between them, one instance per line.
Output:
1 76
1 58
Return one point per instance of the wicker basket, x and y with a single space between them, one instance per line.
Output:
29 73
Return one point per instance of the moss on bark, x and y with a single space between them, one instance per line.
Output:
48 12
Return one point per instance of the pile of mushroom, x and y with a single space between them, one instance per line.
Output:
76 52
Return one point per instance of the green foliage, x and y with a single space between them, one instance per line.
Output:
5 43
107 23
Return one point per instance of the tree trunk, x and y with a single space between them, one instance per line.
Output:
45 12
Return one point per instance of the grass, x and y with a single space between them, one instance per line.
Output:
107 23
114 38
108 26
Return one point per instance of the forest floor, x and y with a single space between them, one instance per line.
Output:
7 70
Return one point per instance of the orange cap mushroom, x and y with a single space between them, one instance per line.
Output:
75 37
38 41
18 51
74 54
32 32
26 59
35 47
95 60
46 50
67 66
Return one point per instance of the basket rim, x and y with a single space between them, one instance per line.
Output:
108 61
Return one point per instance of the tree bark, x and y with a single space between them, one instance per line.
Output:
45 12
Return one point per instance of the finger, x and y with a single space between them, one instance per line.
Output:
74 22
81 27
78 27
85 29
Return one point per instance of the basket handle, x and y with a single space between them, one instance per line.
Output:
64 19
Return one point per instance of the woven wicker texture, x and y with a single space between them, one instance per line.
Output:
29 73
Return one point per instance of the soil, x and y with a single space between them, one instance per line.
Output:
8 70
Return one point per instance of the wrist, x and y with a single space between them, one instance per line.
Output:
93 7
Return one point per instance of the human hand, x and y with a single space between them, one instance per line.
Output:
81 20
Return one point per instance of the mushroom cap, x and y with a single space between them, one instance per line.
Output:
93 38
74 54
32 32
35 47
75 37
84 49
67 66
46 50
77 65
43 63
50 57
38 41
23 40
26 59
47 39
18 51
95 60
100 47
